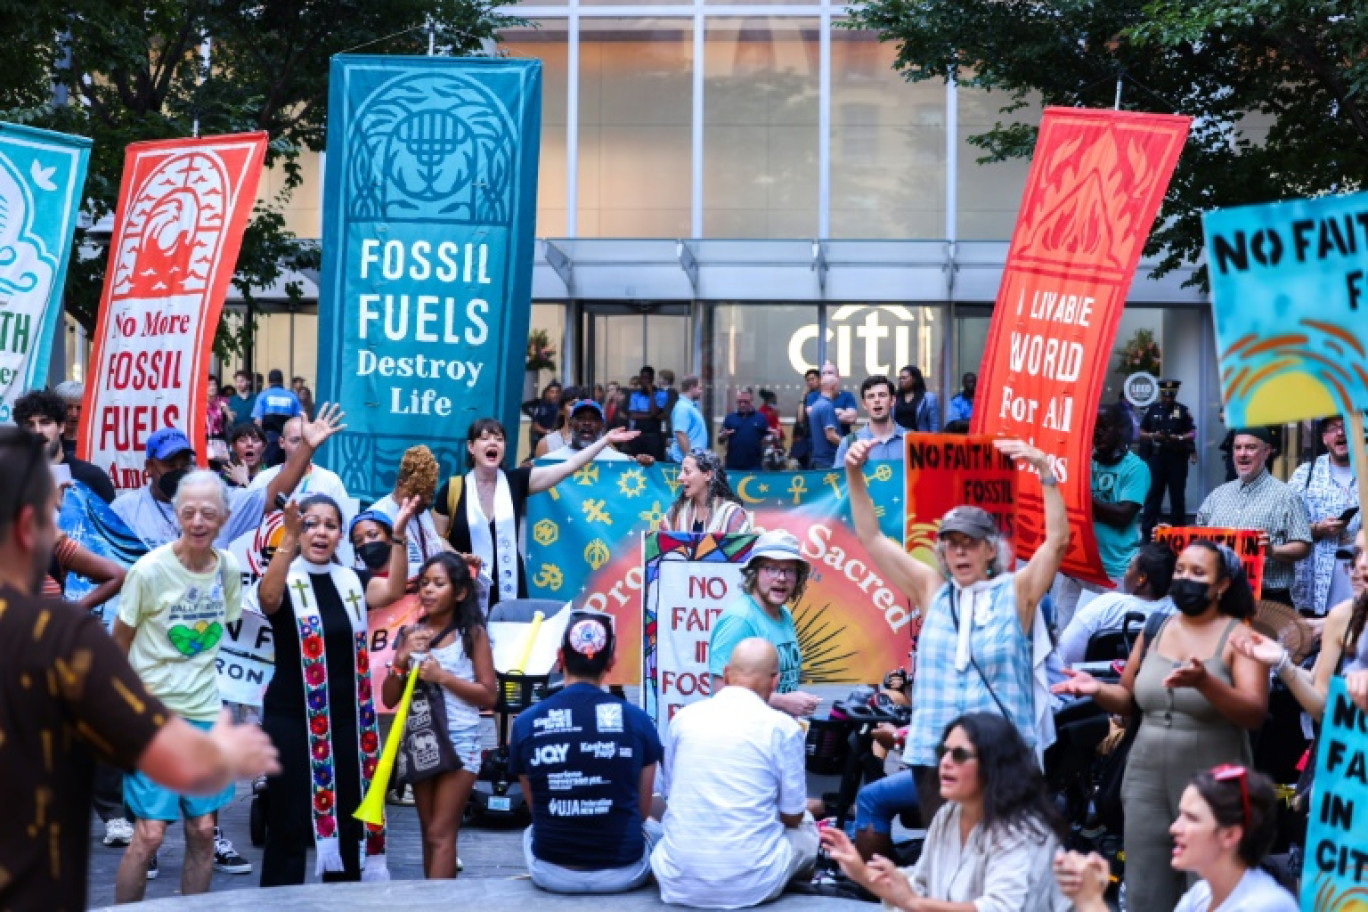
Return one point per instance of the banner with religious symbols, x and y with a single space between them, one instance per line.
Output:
429 202
41 178
584 544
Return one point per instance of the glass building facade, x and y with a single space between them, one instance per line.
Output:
742 190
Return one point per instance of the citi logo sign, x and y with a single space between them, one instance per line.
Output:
864 339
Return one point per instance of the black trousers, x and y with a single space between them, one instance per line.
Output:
282 863
108 797
1168 472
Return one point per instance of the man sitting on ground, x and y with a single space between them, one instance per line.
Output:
736 831
587 763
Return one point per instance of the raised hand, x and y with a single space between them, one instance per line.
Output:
1189 674
857 454
328 422
1256 646
294 525
1024 452
1077 684
621 435
407 510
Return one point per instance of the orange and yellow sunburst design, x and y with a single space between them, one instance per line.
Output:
1329 897
1286 377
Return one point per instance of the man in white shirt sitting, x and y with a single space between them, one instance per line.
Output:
1144 588
735 832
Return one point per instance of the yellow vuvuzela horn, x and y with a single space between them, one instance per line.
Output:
521 667
372 809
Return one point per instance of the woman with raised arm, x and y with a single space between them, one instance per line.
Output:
319 708
483 516
982 636
1198 698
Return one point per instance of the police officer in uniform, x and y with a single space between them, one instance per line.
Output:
1168 443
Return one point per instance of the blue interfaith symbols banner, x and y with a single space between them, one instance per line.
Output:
1289 282
428 215
41 178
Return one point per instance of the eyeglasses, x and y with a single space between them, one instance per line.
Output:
1226 773
780 572
959 755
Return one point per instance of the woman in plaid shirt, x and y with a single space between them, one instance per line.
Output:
979 637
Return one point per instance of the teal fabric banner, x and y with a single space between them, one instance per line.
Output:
428 215
41 178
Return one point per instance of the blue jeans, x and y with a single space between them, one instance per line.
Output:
879 802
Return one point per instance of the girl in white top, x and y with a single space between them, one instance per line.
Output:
989 846
1227 819
461 662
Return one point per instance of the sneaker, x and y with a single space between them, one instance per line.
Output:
153 869
459 866
226 858
118 832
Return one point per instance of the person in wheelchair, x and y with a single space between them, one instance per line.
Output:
1144 589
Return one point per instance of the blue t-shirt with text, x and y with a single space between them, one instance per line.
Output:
582 752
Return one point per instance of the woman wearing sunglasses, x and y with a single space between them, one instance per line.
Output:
1198 699
1226 822
989 846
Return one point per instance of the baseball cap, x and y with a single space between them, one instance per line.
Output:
974 522
275 376
777 544
588 633
586 404
375 516
168 442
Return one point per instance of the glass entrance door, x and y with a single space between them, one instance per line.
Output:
620 338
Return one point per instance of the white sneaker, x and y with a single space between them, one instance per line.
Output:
118 832
226 858
459 866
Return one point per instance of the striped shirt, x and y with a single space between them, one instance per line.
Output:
1265 504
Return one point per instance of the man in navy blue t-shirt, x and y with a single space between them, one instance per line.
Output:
587 763
745 431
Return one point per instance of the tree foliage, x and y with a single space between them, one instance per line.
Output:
1278 89
121 72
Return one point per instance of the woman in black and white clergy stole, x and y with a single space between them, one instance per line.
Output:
491 503
319 708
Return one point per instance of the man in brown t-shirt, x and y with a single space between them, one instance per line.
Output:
68 695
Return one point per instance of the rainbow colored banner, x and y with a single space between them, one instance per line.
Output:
584 545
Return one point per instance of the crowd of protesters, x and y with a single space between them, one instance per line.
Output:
994 655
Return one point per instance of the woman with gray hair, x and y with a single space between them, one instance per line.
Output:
706 502
982 640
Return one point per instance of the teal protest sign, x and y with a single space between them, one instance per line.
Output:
429 202
1291 307
41 178
1335 873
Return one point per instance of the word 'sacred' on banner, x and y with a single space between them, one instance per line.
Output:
183 205
1244 542
946 470
1096 181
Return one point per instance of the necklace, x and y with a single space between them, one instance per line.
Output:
168 516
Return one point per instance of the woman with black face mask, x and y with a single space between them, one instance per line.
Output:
1197 696
382 553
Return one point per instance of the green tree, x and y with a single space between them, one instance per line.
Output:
1277 88
121 72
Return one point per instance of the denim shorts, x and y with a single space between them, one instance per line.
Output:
466 741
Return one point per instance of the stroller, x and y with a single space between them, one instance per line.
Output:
497 797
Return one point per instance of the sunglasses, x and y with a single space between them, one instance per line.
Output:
959 755
1230 772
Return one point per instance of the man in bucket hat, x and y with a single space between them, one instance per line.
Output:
774 577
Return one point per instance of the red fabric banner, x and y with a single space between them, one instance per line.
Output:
942 471
1244 542
183 205
1096 181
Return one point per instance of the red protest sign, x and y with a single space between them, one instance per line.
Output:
942 471
183 206
1096 181
1244 542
